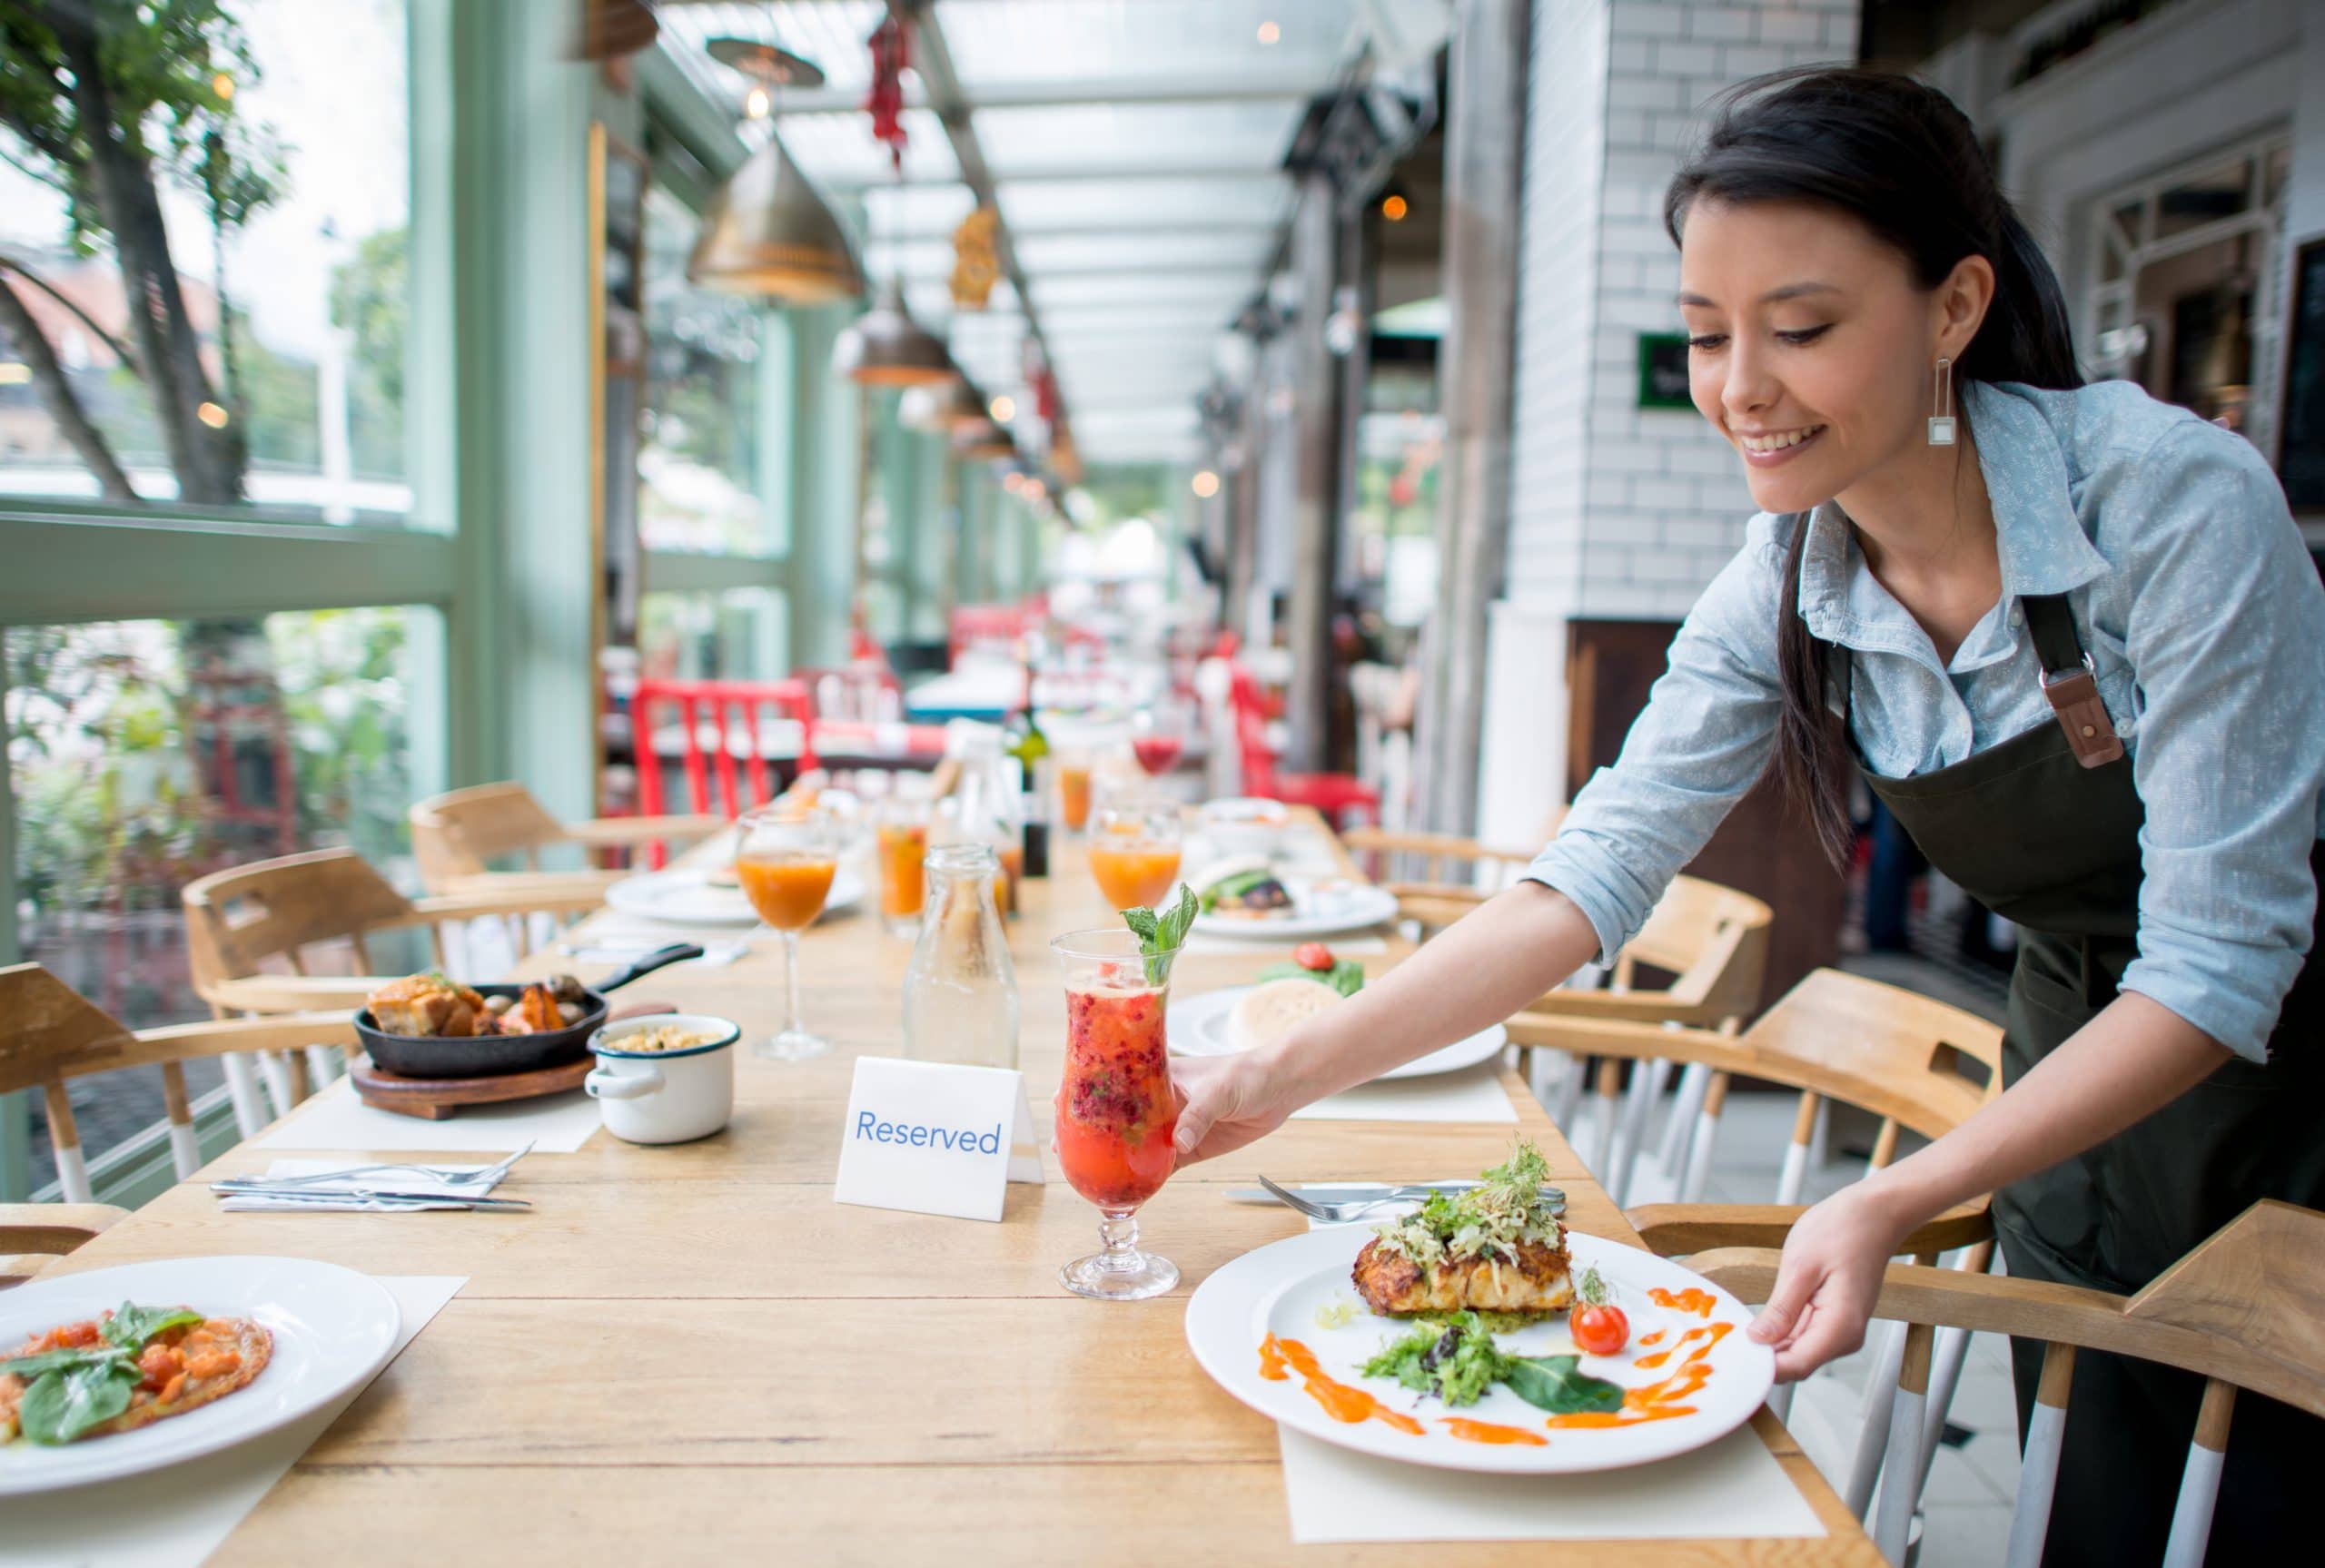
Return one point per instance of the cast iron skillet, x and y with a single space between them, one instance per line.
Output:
495 1055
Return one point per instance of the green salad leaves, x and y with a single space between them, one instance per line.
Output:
1459 1362
1346 975
71 1391
1160 935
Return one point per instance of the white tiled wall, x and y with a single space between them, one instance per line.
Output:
1615 511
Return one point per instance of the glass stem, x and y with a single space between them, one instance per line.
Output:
1118 1228
791 983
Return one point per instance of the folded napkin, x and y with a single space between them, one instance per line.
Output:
1473 1094
335 1119
391 1180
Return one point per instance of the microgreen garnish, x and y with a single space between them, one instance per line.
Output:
1592 1289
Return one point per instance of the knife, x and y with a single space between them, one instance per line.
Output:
249 1188
1550 1195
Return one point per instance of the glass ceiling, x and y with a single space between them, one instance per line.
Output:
1136 148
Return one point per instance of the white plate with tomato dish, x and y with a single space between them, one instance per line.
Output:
1230 1020
1283 1329
312 1331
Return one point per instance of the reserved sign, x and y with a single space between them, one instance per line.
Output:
934 1138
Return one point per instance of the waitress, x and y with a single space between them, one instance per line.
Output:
2071 638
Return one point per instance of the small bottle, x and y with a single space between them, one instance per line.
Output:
961 990
1031 747
984 808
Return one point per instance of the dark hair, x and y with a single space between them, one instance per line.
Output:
1897 156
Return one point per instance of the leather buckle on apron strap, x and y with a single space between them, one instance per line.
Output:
2091 734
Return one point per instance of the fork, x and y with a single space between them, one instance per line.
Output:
1340 1213
484 1178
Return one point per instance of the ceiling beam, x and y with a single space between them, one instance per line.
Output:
869 177
1073 90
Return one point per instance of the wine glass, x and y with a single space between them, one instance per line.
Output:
786 861
1158 734
1134 852
1116 1112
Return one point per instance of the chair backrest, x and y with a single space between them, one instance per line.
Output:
50 1033
238 919
2244 1310
1253 752
1713 939
1909 1059
461 833
35 1235
730 710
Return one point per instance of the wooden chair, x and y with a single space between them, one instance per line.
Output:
2246 1309
50 1033
1338 796
457 838
248 926
1916 1063
34 1235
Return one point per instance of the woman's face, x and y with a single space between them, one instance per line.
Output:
1810 345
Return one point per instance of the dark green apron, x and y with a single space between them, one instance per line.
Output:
2049 840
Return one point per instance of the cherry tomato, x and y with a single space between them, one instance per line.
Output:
1313 955
1600 1330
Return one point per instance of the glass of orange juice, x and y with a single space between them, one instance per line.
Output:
1133 852
1073 791
785 859
900 834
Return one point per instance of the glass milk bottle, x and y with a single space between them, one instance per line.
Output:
960 990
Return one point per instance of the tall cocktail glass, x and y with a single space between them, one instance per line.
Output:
786 861
1115 1109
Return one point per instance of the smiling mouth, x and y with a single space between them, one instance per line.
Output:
1768 445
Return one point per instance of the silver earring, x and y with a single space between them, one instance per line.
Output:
1941 423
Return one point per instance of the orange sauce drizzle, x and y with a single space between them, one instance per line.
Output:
1469 1431
1658 1401
1654 1338
1340 1402
1692 1300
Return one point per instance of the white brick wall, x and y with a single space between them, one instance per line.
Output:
1615 511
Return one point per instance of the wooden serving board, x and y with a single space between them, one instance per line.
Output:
435 1098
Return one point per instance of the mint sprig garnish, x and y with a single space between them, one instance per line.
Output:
1159 935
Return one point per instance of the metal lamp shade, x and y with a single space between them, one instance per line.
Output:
983 441
952 406
768 232
885 347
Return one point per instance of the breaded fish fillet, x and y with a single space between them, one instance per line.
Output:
1394 1284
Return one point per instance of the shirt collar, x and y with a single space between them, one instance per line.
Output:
2038 535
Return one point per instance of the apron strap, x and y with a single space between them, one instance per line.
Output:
2068 681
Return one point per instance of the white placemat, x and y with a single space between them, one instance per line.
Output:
335 1119
1476 1095
1733 1489
174 1518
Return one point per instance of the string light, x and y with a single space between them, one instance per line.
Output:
755 103
1394 208
1269 33
14 373
1206 483
212 415
1003 409
224 86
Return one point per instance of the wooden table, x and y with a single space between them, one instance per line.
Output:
693 1355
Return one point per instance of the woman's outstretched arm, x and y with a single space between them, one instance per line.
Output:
1472 975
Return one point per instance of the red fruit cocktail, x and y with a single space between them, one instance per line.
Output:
1115 1109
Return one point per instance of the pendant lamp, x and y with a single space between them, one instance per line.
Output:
981 441
942 409
885 347
767 230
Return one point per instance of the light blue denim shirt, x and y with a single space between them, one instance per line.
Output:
2198 605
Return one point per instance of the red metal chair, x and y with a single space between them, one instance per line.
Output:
717 701
1336 795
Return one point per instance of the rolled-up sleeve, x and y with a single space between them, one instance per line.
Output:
2227 644
1700 744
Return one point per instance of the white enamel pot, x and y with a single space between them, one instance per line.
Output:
664 1096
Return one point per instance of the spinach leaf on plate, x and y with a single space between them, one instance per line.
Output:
1557 1384
63 1404
132 1326
31 1366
